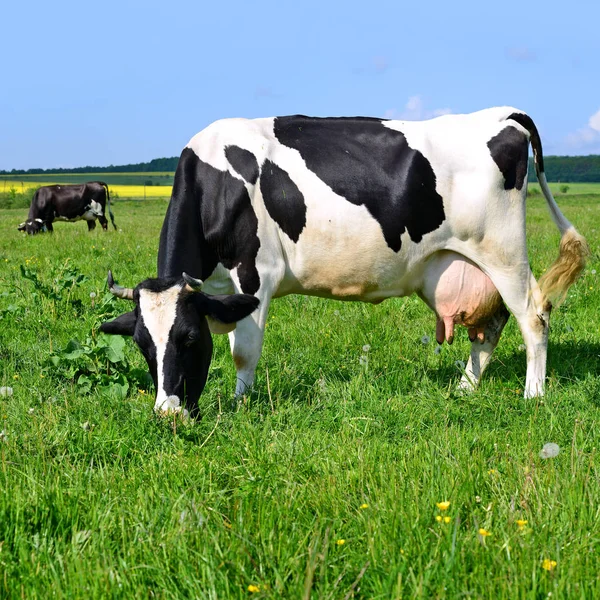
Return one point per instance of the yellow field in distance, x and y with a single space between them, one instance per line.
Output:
116 191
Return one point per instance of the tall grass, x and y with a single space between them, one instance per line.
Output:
324 482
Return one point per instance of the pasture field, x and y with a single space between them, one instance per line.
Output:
327 481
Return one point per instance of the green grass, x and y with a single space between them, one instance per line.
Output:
100 498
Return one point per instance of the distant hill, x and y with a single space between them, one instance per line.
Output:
567 169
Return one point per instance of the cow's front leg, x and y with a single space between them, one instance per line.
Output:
246 342
91 225
481 351
48 226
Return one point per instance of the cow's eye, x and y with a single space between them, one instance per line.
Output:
191 339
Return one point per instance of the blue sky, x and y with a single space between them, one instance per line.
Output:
120 82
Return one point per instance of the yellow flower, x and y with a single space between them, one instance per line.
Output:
438 518
521 523
253 588
548 564
443 505
15 377
483 532
401 551
492 472
447 519
341 542
142 391
363 506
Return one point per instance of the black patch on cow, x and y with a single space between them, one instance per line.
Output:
210 219
536 142
369 164
244 162
283 199
509 151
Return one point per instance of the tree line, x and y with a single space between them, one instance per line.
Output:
567 169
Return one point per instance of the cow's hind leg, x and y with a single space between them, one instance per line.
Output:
481 351
531 309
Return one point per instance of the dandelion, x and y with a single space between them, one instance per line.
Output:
340 542
366 348
483 532
548 564
478 499
593 271
549 450
438 518
92 295
31 410
447 519
443 505
15 377
363 361
253 589
363 506
492 472
425 340
521 523
6 391
86 426
438 350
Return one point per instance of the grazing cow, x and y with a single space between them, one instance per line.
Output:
353 209
50 203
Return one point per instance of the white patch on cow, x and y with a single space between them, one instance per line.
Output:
159 310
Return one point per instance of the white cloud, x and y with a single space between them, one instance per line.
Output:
586 138
594 121
415 110
521 53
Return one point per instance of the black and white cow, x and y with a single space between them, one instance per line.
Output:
346 208
87 201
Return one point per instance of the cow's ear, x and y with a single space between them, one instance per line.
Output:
227 309
123 325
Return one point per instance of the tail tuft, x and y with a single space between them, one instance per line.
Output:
565 270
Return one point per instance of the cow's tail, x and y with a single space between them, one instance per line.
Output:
574 249
110 212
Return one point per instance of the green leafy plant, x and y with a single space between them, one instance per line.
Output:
66 279
99 363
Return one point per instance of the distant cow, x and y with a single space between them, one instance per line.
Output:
354 209
50 203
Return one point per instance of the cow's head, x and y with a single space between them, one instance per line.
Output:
169 325
32 226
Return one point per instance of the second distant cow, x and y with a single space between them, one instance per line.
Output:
87 201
